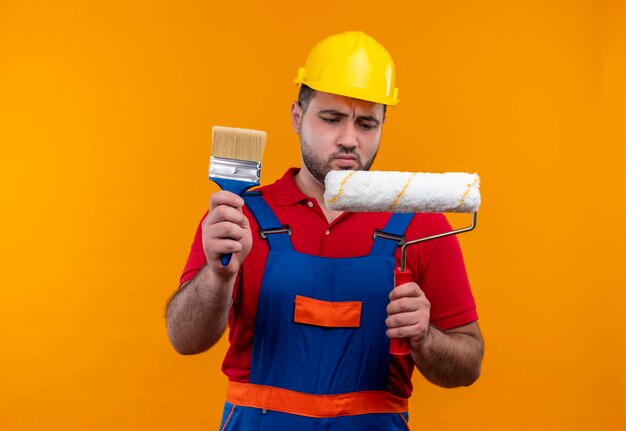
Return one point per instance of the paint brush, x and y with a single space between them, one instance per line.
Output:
235 163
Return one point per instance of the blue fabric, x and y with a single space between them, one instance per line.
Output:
253 419
396 225
266 219
314 359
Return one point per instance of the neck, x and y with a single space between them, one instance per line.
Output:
311 187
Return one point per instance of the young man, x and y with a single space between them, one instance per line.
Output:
312 306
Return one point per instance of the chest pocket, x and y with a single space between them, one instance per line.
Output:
328 314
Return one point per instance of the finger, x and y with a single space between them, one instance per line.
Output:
416 331
223 238
224 230
222 247
406 290
226 213
400 321
405 319
224 197
407 305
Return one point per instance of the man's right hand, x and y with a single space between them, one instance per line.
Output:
226 230
197 315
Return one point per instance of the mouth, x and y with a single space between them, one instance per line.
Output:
346 160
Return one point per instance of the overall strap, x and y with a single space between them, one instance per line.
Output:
388 239
270 228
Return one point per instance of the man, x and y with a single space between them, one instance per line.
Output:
308 295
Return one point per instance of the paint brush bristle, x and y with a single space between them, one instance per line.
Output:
238 144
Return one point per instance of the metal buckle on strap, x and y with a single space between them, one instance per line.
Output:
400 239
283 229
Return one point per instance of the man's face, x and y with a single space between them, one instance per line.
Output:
337 132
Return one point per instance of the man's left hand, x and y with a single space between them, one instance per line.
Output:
408 314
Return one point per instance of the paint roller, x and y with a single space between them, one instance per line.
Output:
404 192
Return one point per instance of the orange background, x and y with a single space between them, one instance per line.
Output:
105 117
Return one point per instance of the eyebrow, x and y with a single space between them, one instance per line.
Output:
343 114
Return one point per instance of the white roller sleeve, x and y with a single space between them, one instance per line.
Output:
402 192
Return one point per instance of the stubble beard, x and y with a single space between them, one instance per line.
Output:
319 168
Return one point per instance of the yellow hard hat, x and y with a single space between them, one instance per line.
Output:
351 64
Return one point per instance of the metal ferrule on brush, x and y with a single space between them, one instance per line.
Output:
238 170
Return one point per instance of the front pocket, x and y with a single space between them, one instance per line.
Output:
328 314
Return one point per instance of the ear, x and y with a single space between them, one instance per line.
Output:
296 117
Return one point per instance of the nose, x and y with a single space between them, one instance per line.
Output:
348 135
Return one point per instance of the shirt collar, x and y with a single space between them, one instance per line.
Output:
287 192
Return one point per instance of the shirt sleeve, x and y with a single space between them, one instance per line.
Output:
196 259
442 276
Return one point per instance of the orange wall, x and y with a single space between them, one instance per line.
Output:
105 117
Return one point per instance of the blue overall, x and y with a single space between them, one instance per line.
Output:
315 359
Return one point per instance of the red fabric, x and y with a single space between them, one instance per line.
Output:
437 267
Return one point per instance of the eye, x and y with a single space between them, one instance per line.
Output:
330 120
367 126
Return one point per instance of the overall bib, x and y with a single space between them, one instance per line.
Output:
320 356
